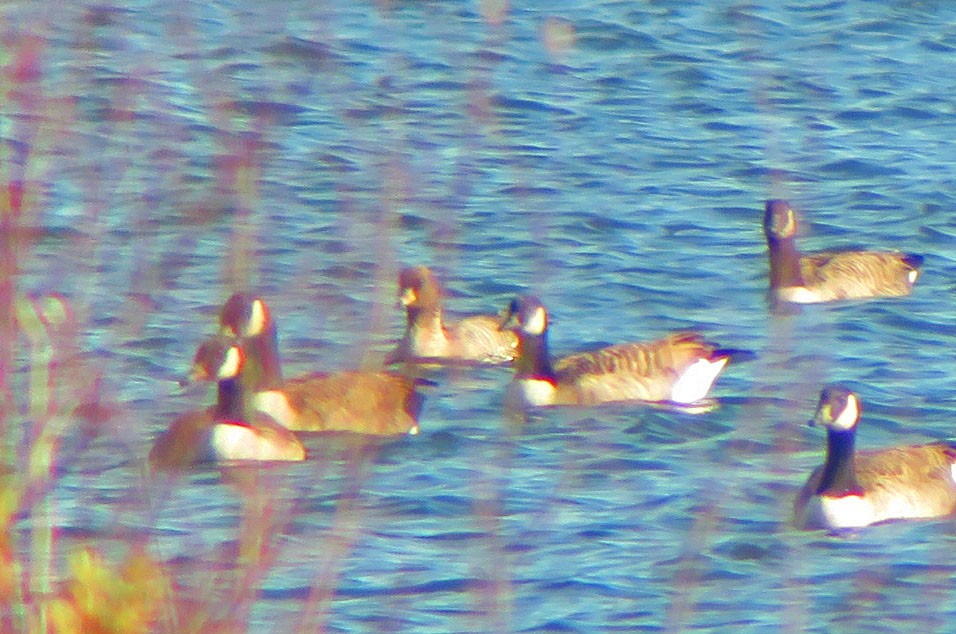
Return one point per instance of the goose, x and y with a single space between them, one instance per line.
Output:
853 489
223 432
678 369
830 276
428 338
377 403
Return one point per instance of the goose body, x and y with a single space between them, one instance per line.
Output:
680 368
830 276
427 337
225 432
853 489
367 402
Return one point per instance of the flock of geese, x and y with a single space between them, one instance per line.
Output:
258 412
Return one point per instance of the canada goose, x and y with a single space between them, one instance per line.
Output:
679 369
855 489
830 276
223 432
365 402
428 337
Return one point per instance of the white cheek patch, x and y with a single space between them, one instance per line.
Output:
850 414
408 297
231 364
275 404
791 227
696 381
537 322
257 320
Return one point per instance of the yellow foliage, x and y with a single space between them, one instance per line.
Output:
100 600
9 503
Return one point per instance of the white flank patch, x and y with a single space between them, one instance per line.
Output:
413 431
536 392
537 323
850 414
906 504
257 320
797 295
696 381
275 404
952 472
912 277
231 364
235 442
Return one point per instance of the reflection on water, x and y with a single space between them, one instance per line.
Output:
157 156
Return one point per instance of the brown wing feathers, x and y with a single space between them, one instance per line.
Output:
650 358
852 274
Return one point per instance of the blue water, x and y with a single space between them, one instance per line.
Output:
176 150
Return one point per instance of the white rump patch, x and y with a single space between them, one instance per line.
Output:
537 323
275 404
952 472
231 364
696 381
912 277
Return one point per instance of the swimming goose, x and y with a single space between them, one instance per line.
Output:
364 402
428 337
223 432
679 369
830 276
855 489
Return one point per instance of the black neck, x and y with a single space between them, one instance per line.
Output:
264 369
839 472
229 403
533 359
784 263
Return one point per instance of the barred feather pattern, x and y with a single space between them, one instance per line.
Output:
859 274
375 403
476 338
632 371
668 355
480 338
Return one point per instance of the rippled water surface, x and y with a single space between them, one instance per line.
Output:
611 157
